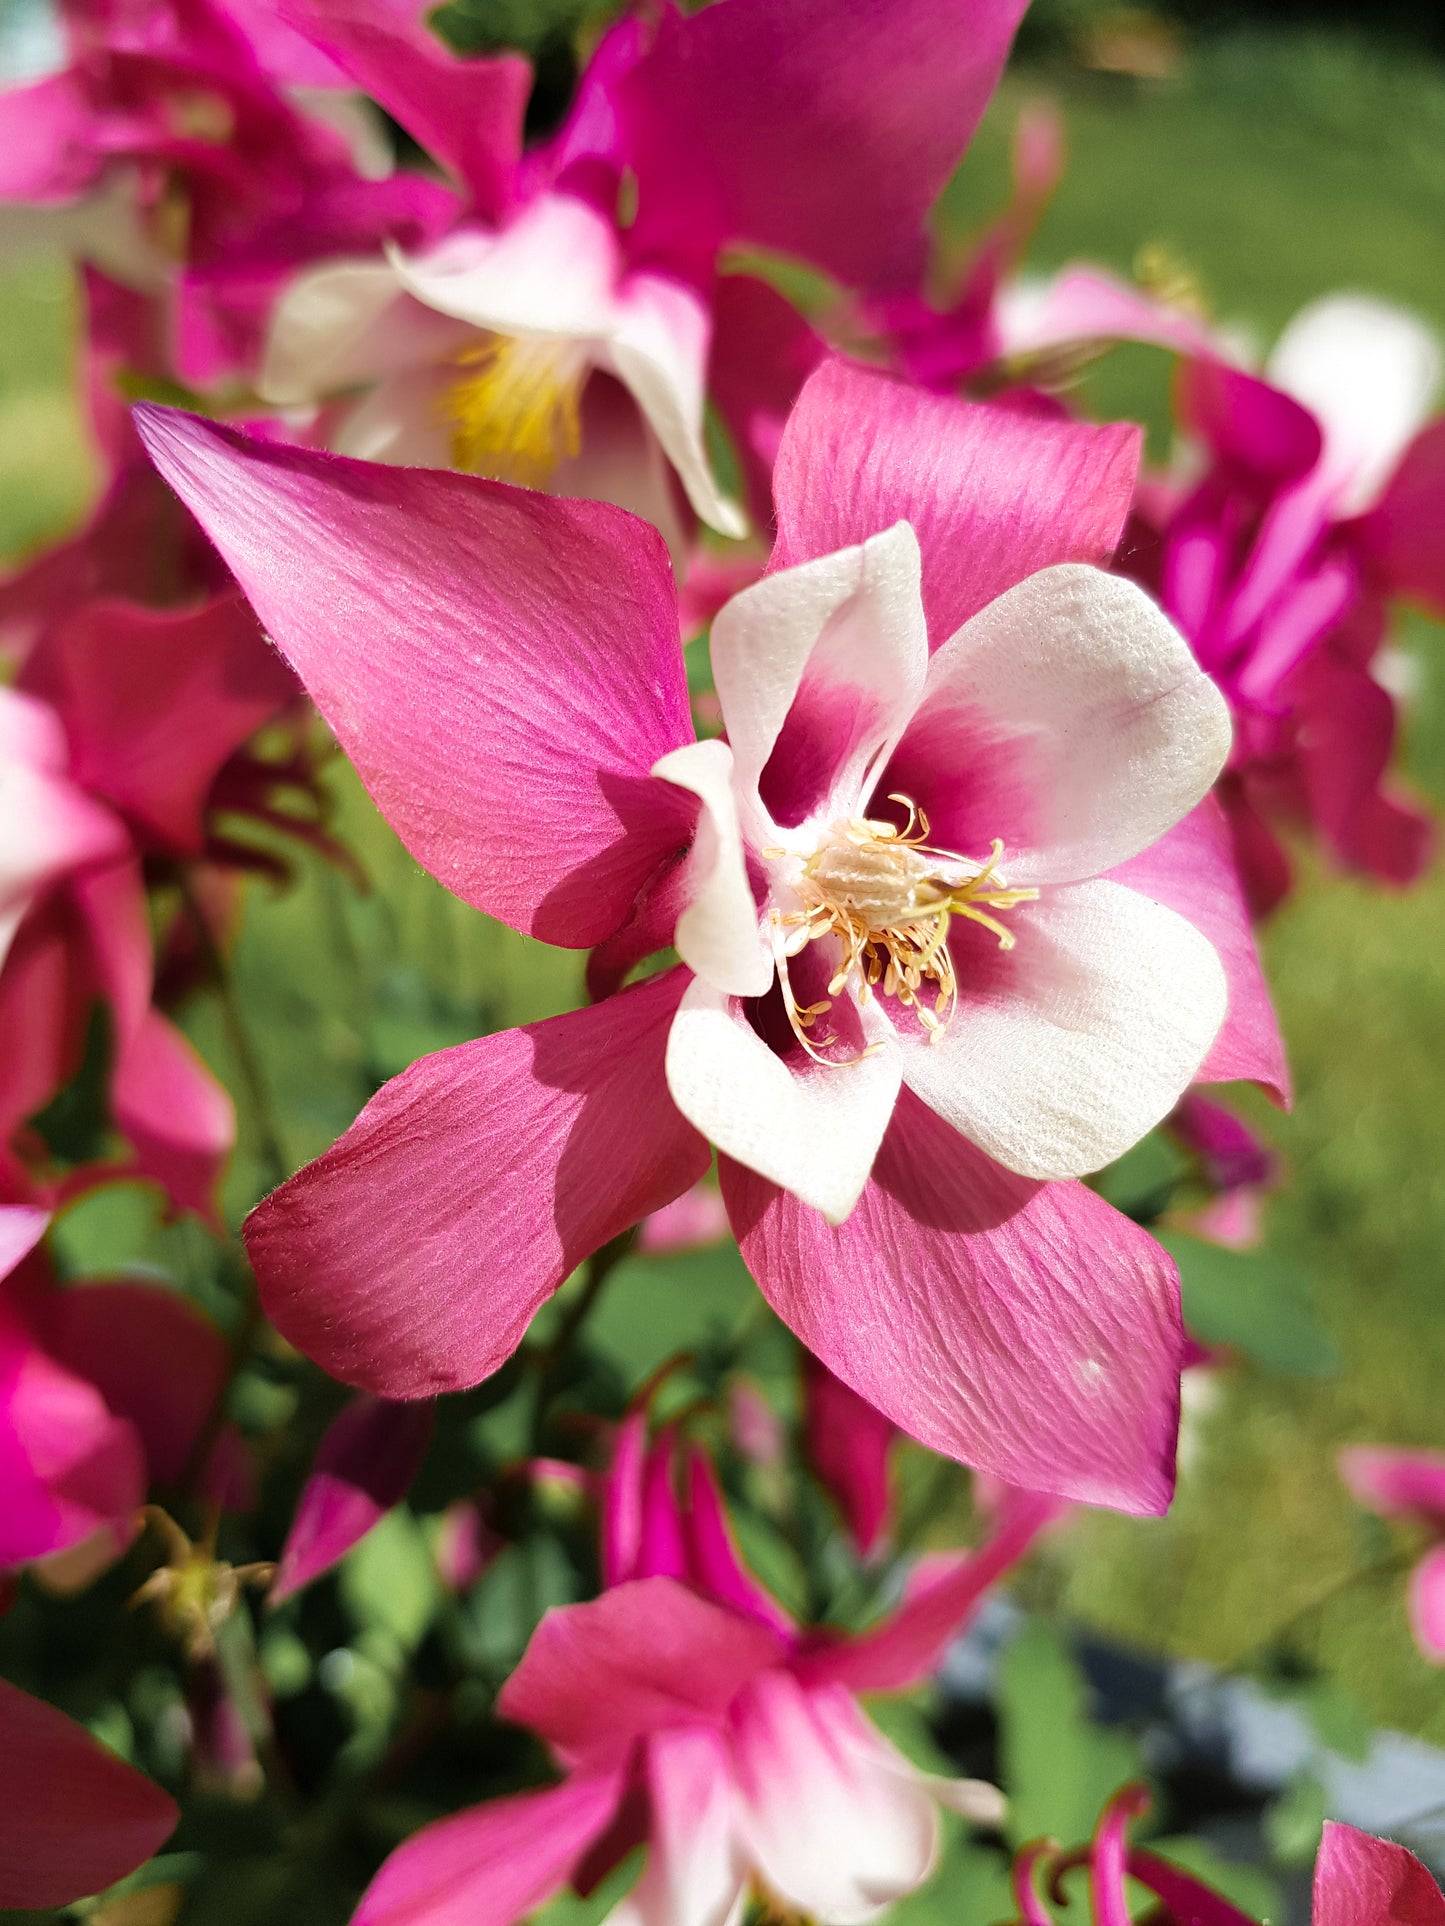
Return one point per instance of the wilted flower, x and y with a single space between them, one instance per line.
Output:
892 1031
690 1713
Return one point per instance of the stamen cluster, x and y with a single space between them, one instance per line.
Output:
889 898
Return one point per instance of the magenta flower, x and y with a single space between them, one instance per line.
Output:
158 137
1359 1880
75 1817
1398 1483
823 131
894 1034
122 722
690 1713
105 1388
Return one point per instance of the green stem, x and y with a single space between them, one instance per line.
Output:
552 1356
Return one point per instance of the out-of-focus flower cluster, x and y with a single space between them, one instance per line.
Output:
912 771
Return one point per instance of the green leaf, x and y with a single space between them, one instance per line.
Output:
389 1580
654 1307
1142 1182
1254 1302
1058 1767
1295 1821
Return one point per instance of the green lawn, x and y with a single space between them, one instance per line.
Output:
1275 171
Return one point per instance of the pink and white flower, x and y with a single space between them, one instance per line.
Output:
819 130
689 1712
895 1037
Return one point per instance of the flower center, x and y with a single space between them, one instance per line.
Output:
514 411
889 898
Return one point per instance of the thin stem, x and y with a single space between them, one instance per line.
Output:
552 1356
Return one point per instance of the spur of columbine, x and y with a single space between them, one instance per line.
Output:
504 670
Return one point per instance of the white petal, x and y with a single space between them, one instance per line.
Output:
402 420
1081 1038
844 639
814 1132
658 349
550 271
693 1875
346 323
1369 372
717 934
839 1826
1075 698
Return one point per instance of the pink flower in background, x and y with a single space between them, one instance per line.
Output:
1408 1484
1233 1161
74 1818
105 1388
1359 1880
526 730
1278 565
136 713
690 1714
597 253
848 1444
156 139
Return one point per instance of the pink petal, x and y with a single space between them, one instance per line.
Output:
467 114
1068 719
1192 870
992 495
21 1229
77 1818
909 1643
645 1657
1029 1330
837 1822
716 1566
504 714
693 1876
848 1443
1363 1881
621 1521
412 1256
494 1865
690 1223
1396 1483
1083 304
363 1466
1427 1605
179 1119
729 104
1183 1895
156 1360
817 669
155 701
1403 532
68 1465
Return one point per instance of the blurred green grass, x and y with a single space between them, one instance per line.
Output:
1274 169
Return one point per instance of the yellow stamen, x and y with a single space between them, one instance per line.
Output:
515 411
882 891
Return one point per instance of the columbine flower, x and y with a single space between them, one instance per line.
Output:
77 1818
1409 1484
823 132
893 1035
690 1713
1359 1880
1321 499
